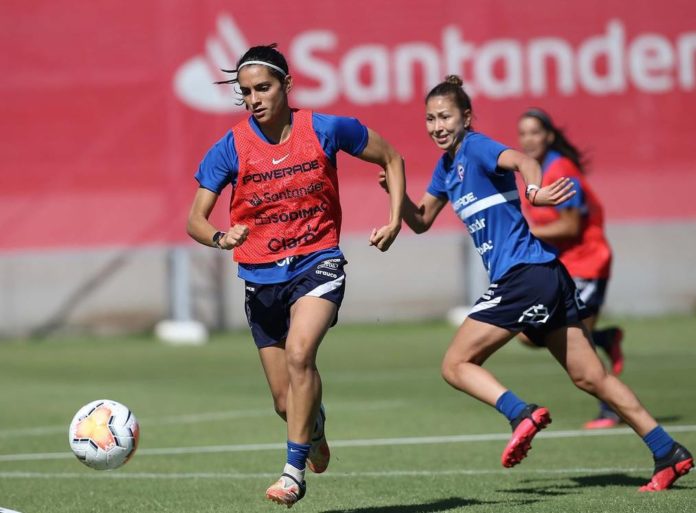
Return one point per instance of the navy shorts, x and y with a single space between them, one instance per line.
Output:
533 298
268 305
592 293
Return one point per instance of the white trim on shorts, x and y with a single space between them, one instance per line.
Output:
326 287
485 305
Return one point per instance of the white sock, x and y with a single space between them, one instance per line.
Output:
294 472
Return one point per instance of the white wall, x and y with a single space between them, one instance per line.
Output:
121 291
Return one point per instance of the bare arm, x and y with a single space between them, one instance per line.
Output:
566 227
379 151
418 217
553 194
200 229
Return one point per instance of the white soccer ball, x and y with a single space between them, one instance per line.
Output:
104 434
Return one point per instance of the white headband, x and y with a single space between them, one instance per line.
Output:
273 66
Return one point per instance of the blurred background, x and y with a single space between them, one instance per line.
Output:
109 106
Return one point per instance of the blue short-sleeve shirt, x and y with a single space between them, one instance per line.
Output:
486 199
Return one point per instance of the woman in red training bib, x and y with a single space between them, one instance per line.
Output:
285 224
576 229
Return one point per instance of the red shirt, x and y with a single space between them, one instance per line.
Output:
588 255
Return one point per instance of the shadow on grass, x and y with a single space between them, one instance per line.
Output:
666 419
431 507
619 480
561 486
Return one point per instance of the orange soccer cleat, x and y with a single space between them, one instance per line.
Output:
286 491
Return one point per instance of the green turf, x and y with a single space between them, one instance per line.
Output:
380 382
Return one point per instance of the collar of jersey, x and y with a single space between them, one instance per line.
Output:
257 129
550 157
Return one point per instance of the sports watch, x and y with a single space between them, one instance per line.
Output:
216 239
530 188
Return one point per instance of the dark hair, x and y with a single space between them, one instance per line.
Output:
263 53
452 86
560 142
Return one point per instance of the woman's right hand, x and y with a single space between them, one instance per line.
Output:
553 194
234 237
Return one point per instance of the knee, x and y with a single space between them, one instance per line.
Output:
452 367
590 382
299 361
447 371
280 404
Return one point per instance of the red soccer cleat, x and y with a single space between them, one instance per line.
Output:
677 463
527 424
319 456
605 420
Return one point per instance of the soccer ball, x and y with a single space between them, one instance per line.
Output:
104 434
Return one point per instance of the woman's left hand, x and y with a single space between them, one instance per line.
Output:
384 237
553 194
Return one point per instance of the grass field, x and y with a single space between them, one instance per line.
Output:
402 440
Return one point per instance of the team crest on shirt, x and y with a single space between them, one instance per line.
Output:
460 172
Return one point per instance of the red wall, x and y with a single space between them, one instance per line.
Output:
107 109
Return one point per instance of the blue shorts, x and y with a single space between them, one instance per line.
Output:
592 293
268 305
533 298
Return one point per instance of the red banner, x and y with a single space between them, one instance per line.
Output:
108 108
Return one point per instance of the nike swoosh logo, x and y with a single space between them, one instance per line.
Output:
280 159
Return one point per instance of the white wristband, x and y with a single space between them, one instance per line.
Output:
531 187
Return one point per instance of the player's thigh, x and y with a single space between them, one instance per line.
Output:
475 341
310 319
572 347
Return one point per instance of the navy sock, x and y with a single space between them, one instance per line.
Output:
659 442
297 454
510 405
604 338
605 409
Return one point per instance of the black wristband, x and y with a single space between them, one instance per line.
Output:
216 239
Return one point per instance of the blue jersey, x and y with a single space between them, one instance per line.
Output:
485 197
221 164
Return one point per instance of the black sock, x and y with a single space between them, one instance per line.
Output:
604 338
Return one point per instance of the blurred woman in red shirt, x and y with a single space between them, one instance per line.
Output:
576 229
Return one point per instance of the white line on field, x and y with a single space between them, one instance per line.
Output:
270 475
369 442
195 418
